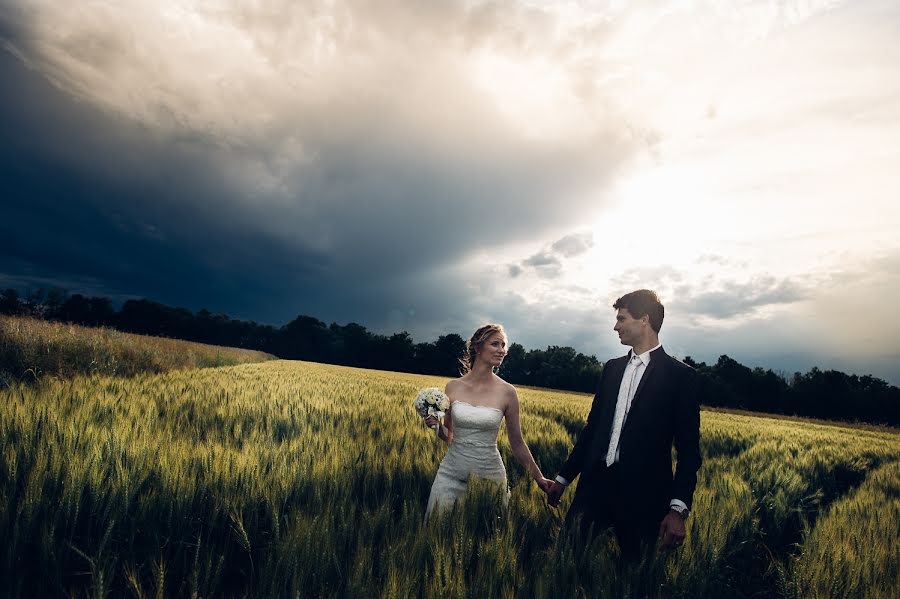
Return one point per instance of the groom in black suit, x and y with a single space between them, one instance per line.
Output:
645 402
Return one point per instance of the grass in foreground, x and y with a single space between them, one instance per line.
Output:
297 479
32 349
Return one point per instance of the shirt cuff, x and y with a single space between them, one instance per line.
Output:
678 503
562 481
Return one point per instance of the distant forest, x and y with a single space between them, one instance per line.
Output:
828 394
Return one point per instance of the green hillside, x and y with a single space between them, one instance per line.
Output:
31 349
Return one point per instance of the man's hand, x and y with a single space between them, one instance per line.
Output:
554 492
671 530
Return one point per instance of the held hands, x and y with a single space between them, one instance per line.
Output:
554 491
671 530
543 483
431 421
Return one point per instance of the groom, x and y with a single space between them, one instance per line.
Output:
645 401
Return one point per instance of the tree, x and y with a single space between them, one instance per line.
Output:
76 309
10 303
448 349
305 338
45 303
102 311
398 352
513 368
351 344
727 383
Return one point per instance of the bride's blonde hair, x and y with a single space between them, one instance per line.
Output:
467 361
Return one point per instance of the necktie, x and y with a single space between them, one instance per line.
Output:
621 410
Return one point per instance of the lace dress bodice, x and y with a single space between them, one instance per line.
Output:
475 425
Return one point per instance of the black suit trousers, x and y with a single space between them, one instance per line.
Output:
605 499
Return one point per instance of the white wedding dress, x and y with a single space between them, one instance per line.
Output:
473 453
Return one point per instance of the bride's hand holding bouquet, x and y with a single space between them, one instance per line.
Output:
431 403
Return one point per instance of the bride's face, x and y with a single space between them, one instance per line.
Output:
493 350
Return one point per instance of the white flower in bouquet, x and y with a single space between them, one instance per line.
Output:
431 402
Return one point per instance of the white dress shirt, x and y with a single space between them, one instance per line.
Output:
631 380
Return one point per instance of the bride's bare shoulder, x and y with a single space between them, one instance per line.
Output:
453 386
506 387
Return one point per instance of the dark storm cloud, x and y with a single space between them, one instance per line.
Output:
269 186
105 210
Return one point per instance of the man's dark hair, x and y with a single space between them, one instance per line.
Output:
643 302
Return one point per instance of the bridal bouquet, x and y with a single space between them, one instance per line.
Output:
431 401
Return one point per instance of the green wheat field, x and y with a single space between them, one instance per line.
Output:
293 479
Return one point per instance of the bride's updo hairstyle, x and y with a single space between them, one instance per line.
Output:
467 362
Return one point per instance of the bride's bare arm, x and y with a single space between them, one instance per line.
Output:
517 443
446 431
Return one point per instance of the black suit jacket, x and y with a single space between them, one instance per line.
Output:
665 410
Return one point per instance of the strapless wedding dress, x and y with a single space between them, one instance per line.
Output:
473 453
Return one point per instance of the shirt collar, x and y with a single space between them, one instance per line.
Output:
645 357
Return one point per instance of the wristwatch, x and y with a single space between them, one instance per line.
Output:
681 511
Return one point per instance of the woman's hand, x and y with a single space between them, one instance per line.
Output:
431 421
544 484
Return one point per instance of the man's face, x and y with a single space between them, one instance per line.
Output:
628 328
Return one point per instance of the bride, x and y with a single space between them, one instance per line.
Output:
479 400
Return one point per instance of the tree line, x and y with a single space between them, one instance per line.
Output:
818 393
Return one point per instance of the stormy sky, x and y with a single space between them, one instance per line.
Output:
430 166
